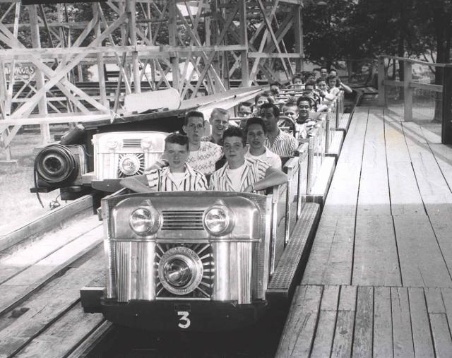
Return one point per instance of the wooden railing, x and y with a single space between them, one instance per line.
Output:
405 80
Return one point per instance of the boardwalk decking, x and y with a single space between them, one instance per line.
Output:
378 280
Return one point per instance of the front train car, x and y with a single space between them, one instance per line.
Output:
195 261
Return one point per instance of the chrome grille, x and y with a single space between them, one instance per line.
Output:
139 156
131 142
182 220
205 288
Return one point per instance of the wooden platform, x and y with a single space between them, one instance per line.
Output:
378 279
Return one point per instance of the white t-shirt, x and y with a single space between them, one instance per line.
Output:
235 175
178 178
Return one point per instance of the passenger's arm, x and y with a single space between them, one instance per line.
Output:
272 177
137 183
159 164
345 88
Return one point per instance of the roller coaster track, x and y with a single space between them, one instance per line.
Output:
40 278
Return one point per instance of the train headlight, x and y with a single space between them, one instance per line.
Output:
145 220
218 220
129 164
112 144
180 270
147 144
56 164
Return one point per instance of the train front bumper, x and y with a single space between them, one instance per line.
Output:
163 315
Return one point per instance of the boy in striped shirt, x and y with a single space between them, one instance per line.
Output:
177 176
243 174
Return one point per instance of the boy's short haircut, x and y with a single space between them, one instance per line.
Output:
292 101
234 132
191 114
305 99
310 83
276 110
177 138
265 94
321 79
245 104
299 76
255 120
221 111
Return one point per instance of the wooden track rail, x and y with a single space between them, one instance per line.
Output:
40 279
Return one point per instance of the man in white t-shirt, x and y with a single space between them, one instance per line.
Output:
256 133
177 176
240 173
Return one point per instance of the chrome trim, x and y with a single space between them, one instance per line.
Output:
182 220
135 277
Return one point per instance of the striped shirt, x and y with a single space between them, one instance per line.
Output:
253 171
163 180
204 159
284 144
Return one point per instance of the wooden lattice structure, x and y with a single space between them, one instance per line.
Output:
198 47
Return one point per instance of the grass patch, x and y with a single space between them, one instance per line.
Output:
18 205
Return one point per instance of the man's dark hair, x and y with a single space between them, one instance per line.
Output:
255 120
191 114
306 99
234 132
177 138
275 108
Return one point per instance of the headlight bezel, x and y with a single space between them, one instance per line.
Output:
219 209
151 216
135 161
193 263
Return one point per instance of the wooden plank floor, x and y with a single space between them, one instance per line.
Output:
378 282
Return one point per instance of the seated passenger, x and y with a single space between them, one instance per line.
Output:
203 155
260 99
335 85
297 83
219 121
308 76
243 174
279 142
306 117
322 87
177 176
323 73
290 109
245 110
255 134
311 91
275 88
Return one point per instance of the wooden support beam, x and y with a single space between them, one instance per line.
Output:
446 125
298 28
42 103
244 41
